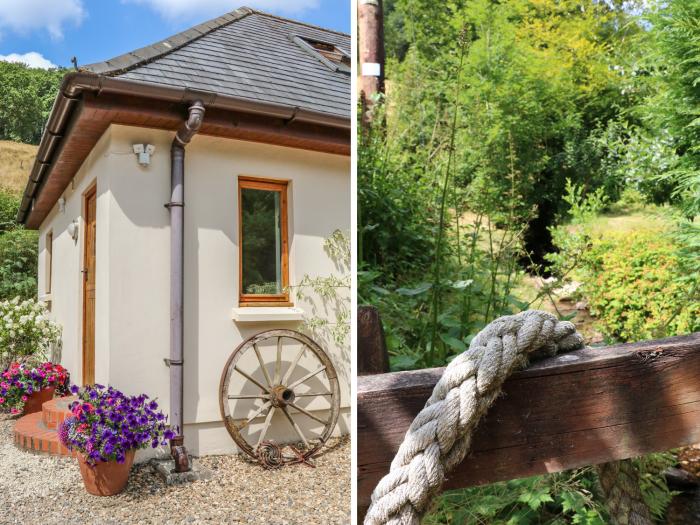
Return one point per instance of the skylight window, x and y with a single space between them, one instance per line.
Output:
329 54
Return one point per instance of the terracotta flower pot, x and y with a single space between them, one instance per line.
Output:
106 478
36 399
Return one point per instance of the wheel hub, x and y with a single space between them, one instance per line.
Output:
282 396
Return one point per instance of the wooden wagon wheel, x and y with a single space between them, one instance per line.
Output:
278 390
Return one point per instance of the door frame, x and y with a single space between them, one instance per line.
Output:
89 192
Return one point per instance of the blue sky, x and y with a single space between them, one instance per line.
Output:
50 32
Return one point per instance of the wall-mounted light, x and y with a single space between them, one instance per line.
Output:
73 229
62 205
144 152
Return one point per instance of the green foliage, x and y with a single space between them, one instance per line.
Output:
541 82
674 110
9 204
26 332
18 264
634 284
509 148
328 296
565 498
437 271
568 497
573 239
18 252
26 98
654 489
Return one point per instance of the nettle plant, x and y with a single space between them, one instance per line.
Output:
26 332
106 424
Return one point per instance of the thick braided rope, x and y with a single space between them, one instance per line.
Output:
440 435
619 481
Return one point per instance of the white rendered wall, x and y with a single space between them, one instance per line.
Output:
67 263
133 265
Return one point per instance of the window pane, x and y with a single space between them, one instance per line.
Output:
262 242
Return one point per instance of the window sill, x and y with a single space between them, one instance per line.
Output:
46 298
267 313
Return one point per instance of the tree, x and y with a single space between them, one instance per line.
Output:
26 98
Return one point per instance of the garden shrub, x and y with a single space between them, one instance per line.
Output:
9 204
633 285
26 332
18 263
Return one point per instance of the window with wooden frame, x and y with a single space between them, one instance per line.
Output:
263 242
48 262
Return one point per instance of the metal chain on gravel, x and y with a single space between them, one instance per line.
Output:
440 435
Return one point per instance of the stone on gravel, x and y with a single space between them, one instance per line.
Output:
166 470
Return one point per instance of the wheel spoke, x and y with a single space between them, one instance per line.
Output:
251 396
313 394
291 368
262 366
306 412
307 376
256 414
268 420
278 362
296 427
266 389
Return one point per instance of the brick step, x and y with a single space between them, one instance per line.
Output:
54 412
32 434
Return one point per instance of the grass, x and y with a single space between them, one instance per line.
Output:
16 161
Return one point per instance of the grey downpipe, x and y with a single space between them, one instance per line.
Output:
177 259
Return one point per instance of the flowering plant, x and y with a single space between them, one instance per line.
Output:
18 382
106 424
25 330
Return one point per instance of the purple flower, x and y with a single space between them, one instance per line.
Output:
107 424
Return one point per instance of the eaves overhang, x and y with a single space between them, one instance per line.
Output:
76 85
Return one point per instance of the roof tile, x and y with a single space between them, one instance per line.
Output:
247 54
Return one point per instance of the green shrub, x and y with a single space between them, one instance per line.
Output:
18 264
25 331
9 204
633 285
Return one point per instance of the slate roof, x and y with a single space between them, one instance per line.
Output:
245 54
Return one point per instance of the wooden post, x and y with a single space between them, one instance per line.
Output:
581 408
372 356
370 21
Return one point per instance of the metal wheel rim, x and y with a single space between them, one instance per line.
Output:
230 372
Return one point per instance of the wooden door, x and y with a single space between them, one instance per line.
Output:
89 288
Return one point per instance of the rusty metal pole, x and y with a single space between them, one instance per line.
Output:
370 22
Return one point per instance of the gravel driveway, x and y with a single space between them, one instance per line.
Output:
48 490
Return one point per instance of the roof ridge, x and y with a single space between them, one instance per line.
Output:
297 22
122 63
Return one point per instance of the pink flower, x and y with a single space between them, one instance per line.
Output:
2 400
14 411
24 398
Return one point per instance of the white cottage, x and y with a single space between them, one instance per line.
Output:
182 191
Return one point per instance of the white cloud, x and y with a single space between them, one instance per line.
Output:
32 59
183 9
23 16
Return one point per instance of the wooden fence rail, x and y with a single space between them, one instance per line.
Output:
576 409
